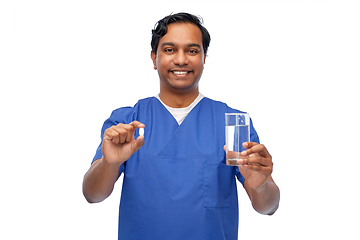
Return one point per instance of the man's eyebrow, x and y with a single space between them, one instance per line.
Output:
173 44
167 44
194 45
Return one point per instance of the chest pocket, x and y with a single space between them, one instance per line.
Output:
219 185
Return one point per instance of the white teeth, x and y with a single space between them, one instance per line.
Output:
180 72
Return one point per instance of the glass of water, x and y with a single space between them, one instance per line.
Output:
237 130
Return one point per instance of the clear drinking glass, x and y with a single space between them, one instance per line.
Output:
237 130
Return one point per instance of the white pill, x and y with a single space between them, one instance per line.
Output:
141 131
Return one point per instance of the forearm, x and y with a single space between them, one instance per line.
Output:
266 200
99 181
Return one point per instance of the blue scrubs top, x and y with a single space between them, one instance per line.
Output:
177 186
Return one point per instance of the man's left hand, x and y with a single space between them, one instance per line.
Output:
257 165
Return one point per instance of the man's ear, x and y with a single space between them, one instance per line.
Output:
153 57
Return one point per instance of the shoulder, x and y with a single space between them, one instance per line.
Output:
146 101
129 114
222 105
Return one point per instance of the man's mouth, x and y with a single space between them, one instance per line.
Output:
180 72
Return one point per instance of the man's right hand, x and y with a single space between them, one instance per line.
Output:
119 142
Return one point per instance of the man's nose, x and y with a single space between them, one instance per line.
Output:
180 58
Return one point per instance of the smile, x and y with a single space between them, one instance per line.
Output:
180 72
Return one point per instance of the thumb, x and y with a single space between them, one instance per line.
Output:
138 143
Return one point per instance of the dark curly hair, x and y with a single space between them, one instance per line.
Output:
161 27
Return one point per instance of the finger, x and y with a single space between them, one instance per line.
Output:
255 148
108 135
122 133
256 159
138 143
257 168
122 130
112 135
137 124
249 144
126 132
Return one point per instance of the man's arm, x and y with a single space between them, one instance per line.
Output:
266 199
99 181
118 145
256 168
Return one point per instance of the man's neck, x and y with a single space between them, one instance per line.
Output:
178 100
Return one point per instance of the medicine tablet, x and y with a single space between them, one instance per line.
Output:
141 131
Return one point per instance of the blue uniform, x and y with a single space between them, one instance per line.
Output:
177 186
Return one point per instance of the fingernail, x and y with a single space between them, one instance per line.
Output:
244 153
245 144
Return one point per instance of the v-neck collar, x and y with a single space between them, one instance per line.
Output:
180 114
168 139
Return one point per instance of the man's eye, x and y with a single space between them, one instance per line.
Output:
193 51
169 50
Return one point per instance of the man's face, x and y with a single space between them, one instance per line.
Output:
180 58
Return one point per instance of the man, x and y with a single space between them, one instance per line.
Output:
176 184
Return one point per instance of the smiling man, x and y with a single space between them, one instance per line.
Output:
180 60
176 183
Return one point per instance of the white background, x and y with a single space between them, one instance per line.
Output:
65 65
